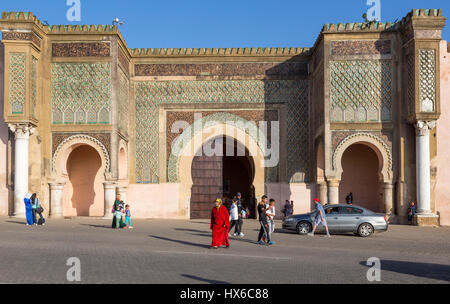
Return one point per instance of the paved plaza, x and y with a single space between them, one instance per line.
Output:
177 251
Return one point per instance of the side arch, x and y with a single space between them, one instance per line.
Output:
375 143
64 149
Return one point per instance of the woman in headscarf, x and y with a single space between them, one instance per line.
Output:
28 209
220 224
118 208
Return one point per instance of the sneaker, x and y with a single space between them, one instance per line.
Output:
328 235
125 227
241 234
214 247
311 234
229 234
131 227
261 243
235 234
272 243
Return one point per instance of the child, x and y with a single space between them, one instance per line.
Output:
127 217
411 212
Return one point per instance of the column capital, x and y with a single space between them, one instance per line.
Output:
423 127
56 186
21 130
109 185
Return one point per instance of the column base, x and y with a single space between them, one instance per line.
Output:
426 220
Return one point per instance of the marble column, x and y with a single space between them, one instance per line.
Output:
388 198
56 208
423 180
122 191
22 134
322 192
333 192
110 197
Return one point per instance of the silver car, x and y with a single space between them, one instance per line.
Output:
340 219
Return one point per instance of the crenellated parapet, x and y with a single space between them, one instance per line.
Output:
260 51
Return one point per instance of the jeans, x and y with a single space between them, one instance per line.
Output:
127 221
237 229
34 216
264 230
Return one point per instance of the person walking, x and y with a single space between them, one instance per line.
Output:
220 225
234 216
320 218
127 217
37 209
411 212
241 213
349 199
118 212
264 230
270 212
28 209
287 211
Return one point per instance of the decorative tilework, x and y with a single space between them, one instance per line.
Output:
34 78
85 86
410 91
17 82
361 90
427 76
124 89
150 94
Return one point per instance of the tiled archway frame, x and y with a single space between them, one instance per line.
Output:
378 146
64 149
207 122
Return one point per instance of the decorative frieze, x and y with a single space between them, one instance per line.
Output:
360 47
81 49
223 69
103 138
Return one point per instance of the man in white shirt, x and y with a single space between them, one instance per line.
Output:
234 218
270 212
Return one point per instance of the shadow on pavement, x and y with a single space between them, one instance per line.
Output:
180 241
191 230
423 270
203 280
16 222
97 226
230 238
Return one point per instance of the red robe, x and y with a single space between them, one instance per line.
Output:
220 224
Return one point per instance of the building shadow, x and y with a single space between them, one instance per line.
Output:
422 270
17 222
203 280
180 242
191 230
98 226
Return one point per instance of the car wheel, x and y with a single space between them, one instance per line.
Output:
304 228
365 230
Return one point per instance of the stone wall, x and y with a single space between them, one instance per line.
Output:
442 190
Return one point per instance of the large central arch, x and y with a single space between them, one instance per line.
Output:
209 132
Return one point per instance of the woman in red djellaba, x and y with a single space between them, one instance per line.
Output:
220 224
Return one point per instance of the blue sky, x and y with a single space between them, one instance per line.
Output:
213 23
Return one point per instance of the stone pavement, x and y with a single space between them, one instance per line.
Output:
176 251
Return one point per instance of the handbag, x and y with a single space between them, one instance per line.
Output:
39 209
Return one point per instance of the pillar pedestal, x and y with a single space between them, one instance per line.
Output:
322 192
56 208
22 134
424 216
333 192
388 200
110 197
